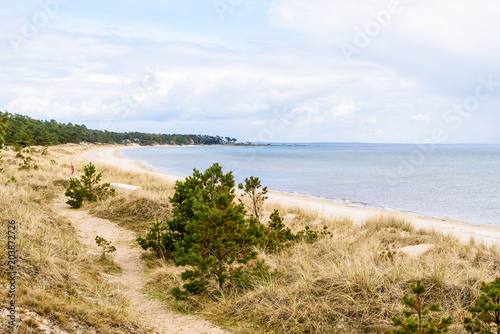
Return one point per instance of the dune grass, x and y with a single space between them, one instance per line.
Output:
60 285
134 209
350 282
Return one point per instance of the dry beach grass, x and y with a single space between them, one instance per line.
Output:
351 282
60 286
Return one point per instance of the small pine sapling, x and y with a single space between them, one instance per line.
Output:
159 239
485 313
105 245
257 196
87 188
423 323
307 235
277 236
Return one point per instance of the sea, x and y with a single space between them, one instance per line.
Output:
456 181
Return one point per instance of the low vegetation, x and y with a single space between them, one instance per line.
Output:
417 317
299 278
485 312
105 246
350 282
60 286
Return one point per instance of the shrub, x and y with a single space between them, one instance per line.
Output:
87 188
485 314
423 323
276 235
310 236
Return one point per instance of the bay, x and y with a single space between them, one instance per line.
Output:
459 181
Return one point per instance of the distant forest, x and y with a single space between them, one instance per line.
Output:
25 131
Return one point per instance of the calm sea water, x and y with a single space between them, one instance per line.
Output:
450 181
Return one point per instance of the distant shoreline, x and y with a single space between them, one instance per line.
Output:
326 208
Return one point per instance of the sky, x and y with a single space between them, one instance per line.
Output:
395 71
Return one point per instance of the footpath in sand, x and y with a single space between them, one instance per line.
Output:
127 256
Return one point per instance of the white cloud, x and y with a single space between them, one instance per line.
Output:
231 77
420 118
321 16
40 107
106 79
455 25
344 109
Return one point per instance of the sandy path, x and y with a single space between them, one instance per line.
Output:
488 234
127 256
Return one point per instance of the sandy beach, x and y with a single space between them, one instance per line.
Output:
488 234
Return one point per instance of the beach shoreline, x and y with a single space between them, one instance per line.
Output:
326 208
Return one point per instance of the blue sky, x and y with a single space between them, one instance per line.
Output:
260 70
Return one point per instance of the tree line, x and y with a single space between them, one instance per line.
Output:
25 131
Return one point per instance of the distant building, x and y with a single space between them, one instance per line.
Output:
126 141
137 140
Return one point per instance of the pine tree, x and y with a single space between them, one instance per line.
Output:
87 188
218 240
163 236
106 247
277 235
485 314
251 188
160 239
423 323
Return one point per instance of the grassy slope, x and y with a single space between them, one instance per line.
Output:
60 285
351 282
